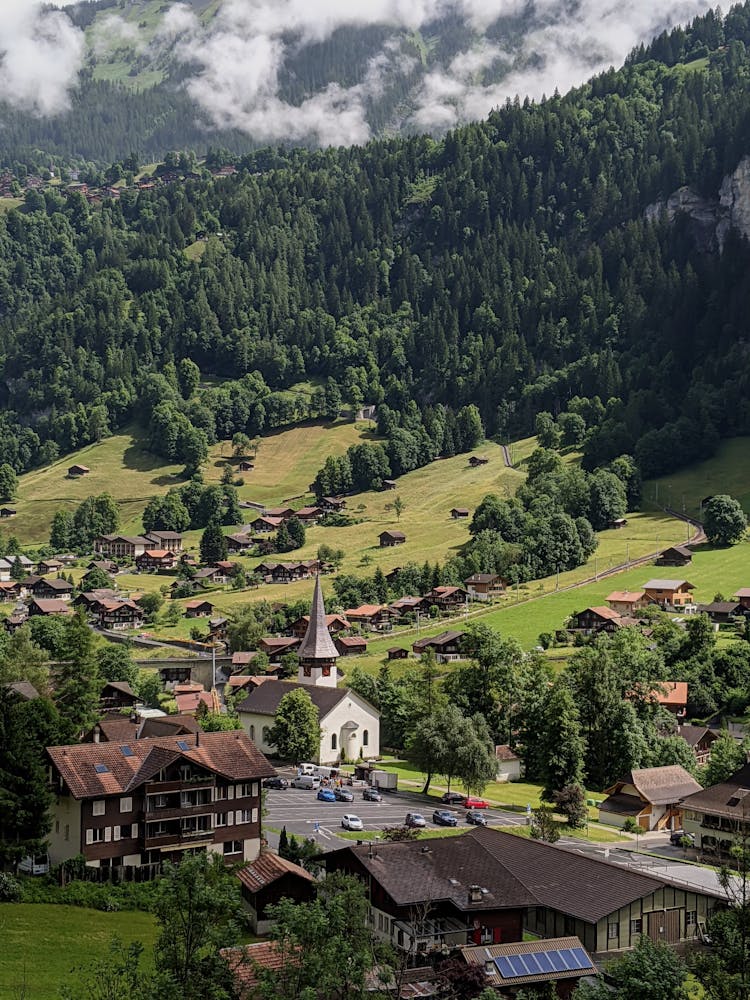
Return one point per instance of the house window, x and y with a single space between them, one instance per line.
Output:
691 918
244 816
334 742
57 826
613 932
266 732
252 732
221 819
126 831
365 738
306 670
97 808
126 805
636 926
245 790
326 670
220 792
95 836
233 847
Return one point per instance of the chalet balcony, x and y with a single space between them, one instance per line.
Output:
183 785
177 838
176 812
430 935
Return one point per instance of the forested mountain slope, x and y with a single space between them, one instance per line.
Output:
509 266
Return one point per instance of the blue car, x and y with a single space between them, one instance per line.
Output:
326 795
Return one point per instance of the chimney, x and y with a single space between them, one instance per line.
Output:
475 894
198 738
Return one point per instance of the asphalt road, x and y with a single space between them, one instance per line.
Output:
299 810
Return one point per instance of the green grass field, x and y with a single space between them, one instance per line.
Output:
6 204
727 472
43 946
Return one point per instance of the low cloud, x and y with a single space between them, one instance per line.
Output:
41 54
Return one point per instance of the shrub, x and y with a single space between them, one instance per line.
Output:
10 888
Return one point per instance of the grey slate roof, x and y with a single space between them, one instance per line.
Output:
317 644
264 700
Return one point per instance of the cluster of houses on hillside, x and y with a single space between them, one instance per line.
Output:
669 595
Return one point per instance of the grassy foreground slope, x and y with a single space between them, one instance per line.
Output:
44 945
727 472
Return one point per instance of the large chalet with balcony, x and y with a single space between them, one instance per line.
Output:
139 803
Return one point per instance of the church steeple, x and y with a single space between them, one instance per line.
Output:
317 654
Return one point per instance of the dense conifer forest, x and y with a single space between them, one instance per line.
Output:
504 270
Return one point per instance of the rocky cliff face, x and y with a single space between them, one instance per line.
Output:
711 219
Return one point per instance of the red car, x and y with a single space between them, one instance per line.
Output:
471 803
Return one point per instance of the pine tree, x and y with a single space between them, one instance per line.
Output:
214 546
77 681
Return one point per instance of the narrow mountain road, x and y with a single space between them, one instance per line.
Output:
506 456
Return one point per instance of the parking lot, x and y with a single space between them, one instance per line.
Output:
299 810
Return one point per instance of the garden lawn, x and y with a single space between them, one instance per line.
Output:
43 945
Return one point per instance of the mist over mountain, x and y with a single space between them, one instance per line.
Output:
243 73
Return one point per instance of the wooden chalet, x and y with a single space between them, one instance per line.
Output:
557 964
459 512
291 571
389 538
723 612
398 653
675 555
333 504
51 589
447 598
409 605
10 590
198 609
477 460
105 565
651 796
169 540
276 646
246 466
447 646
334 624
700 739
375 616
78 470
266 881
309 515
239 542
597 619
284 513
45 566
484 586
743 597
264 524
669 593
210 574
122 545
389 484
119 615
672 695
48 606
618 522
153 560
117 695
627 602
353 645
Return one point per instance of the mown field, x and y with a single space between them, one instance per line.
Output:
44 946
727 472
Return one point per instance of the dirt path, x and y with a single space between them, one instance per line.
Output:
506 456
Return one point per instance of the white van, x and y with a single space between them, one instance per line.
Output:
308 781
306 769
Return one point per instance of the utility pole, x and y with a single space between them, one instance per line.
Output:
627 553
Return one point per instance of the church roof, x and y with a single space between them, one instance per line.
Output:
317 644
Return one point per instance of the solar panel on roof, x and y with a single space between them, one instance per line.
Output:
538 963
182 745
544 961
101 768
505 968
126 752
531 963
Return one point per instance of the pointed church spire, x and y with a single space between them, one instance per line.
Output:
317 644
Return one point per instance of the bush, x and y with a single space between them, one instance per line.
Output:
106 896
10 888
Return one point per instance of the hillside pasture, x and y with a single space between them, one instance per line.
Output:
728 471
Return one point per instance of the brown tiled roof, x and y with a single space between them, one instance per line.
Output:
661 785
246 963
280 641
364 610
672 693
743 592
157 553
516 872
56 584
626 596
659 584
603 612
352 642
197 604
230 754
730 798
264 700
267 868
52 606
504 752
242 658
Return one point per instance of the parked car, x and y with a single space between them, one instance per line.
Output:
326 795
344 795
351 822
415 820
452 798
444 817
277 782
36 865
372 795
676 837
471 803
306 769
477 818
308 781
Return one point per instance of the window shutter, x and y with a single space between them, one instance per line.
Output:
255 816
107 834
230 819
230 792
255 788
116 834
134 832
89 836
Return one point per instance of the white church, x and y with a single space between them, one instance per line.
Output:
350 726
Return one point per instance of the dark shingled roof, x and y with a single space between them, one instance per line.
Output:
264 700
730 798
515 871
622 804
317 644
692 735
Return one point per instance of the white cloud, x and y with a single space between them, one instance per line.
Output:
112 32
41 53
